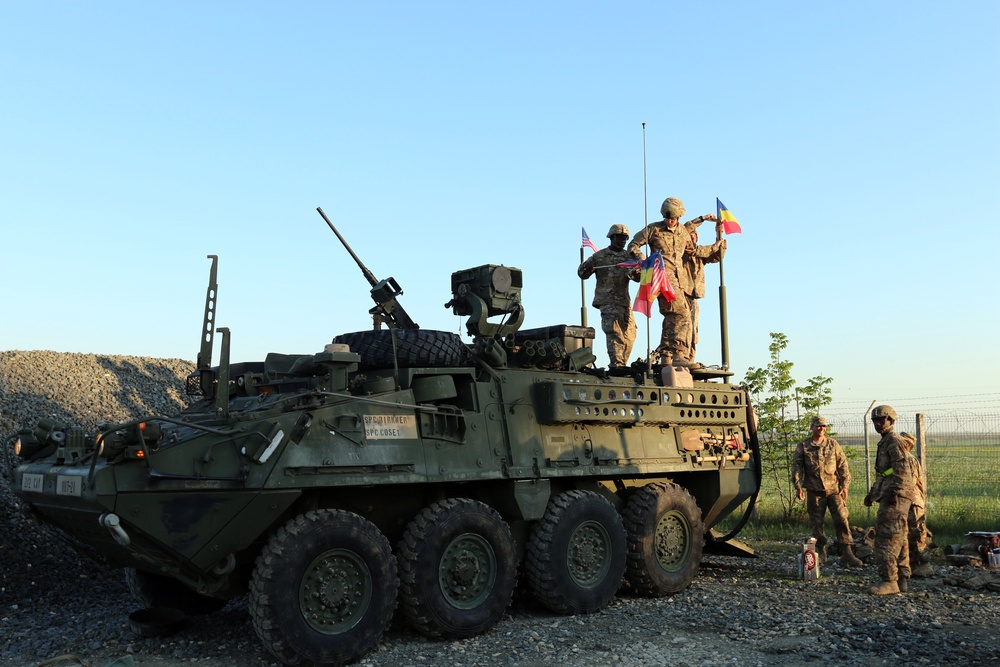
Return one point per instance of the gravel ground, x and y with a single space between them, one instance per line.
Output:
55 600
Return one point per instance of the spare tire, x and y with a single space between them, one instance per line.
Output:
414 347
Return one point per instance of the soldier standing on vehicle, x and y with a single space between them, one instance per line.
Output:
611 295
894 491
821 477
694 267
919 537
673 242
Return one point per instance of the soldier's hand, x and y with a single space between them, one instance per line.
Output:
868 500
843 492
710 216
802 494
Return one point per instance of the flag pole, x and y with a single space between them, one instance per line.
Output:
583 294
723 316
645 223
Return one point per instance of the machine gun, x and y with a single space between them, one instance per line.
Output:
384 292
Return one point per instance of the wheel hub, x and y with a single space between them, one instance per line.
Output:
335 592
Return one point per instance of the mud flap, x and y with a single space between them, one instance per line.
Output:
731 547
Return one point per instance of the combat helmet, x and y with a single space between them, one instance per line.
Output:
618 229
884 411
672 207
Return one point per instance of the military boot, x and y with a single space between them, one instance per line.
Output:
848 558
885 588
901 584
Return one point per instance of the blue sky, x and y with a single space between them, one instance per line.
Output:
856 142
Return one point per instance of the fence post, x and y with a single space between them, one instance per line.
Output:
868 466
921 448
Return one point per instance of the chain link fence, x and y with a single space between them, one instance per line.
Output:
960 452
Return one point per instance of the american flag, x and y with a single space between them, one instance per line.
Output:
653 282
587 243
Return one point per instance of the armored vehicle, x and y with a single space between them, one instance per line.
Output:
402 468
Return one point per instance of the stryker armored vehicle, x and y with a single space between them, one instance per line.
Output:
401 467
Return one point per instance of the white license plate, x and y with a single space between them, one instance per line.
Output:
32 482
69 485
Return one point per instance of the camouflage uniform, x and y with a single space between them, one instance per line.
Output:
611 297
694 267
821 469
919 537
894 490
673 244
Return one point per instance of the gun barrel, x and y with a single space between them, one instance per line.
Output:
369 276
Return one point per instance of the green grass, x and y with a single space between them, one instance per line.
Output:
963 492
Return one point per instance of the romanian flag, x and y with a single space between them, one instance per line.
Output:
587 243
729 222
652 283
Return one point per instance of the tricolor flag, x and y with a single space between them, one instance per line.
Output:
730 224
587 243
652 283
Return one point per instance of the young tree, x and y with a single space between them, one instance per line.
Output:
773 391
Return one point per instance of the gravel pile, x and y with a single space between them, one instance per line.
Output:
55 601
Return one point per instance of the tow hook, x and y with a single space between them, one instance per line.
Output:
111 521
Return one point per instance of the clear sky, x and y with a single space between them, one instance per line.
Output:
856 142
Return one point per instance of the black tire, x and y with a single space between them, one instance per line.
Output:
414 347
156 590
576 553
457 569
665 539
323 589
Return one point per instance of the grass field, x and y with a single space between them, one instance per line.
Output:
963 491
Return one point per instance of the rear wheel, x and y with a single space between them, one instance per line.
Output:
323 589
156 590
457 569
665 539
576 553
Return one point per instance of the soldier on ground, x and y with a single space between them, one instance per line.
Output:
919 537
894 491
694 267
821 478
673 242
611 295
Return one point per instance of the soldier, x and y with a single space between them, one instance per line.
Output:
611 296
919 537
674 242
694 267
821 478
894 491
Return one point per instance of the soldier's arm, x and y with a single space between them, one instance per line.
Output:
587 268
639 240
798 466
843 470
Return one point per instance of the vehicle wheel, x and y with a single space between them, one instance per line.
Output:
323 589
576 553
156 590
665 539
414 347
457 569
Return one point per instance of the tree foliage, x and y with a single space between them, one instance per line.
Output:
783 413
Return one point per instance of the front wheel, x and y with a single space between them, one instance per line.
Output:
323 589
665 539
576 553
457 569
